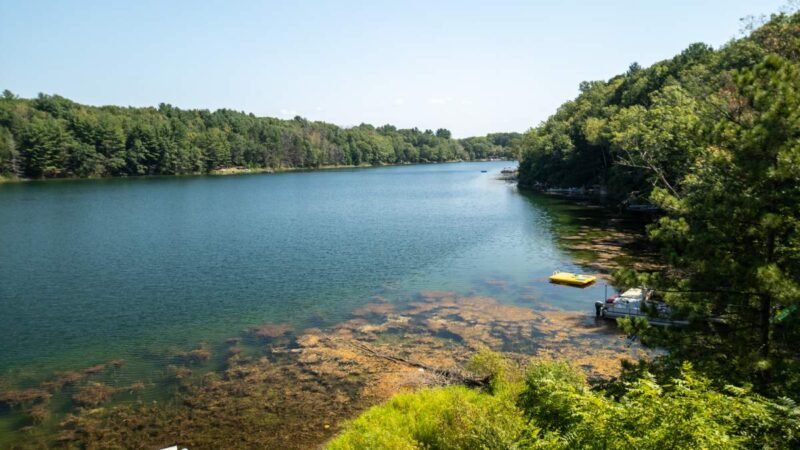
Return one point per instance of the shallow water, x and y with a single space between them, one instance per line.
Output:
139 269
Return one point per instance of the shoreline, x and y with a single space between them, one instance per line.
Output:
246 171
615 239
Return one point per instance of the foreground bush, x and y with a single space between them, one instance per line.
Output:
553 408
444 418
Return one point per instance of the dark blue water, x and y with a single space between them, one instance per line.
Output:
136 268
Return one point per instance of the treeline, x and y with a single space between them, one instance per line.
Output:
51 136
648 126
713 137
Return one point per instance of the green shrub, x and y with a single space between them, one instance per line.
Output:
550 393
684 414
553 408
489 365
442 418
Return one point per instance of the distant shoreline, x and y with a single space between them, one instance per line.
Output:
228 171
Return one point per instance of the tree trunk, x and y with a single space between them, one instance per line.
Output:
766 300
766 306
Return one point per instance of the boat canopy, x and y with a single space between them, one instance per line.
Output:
633 294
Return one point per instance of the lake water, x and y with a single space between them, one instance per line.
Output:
94 270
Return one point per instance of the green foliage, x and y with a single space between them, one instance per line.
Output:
443 133
444 418
50 136
549 395
489 365
645 128
493 145
634 326
660 140
734 228
684 413
713 137
555 409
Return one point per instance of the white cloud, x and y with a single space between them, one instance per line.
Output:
466 102
319 108
288 113
399 101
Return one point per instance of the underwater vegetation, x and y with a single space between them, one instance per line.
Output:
280 388
276 386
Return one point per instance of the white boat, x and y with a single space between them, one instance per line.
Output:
637 302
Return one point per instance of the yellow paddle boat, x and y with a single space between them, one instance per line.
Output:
572 279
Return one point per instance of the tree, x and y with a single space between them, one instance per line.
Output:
45 146
734 234
51 136
712 137
662 140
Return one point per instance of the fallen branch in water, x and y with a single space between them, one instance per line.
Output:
451 376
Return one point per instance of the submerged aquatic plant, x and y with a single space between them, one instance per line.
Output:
197 355
24 396
270 331
294 391
92 394
38 413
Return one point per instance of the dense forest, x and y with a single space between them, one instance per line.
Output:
51 136
712 138
648 126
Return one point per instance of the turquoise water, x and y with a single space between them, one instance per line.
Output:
93 270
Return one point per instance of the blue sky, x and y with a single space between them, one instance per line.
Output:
472 67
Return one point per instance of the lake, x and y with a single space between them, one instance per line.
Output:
139 269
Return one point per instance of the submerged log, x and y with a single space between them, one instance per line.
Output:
451 376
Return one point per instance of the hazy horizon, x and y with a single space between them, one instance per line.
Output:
472 68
